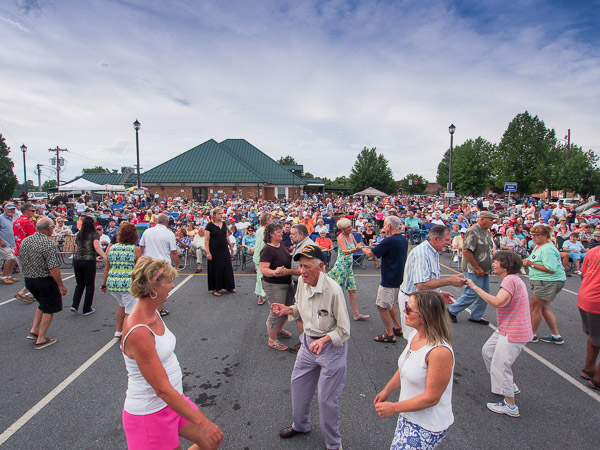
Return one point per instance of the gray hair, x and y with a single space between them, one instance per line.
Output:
44 223
393 221
163 219
343 223
301 229
438 231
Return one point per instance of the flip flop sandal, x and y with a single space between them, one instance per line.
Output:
217 294
163 313
260 300
593 385
586 374
278 346
284 334
385 338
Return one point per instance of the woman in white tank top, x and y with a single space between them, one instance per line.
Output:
424 377
156 412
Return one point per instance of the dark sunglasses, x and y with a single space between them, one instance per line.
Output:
408 310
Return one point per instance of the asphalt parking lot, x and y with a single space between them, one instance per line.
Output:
70 395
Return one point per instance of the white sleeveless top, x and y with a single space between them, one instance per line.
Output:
413 377
141 398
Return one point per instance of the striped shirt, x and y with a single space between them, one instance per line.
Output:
514 319
422 265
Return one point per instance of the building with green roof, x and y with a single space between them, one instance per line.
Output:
214 169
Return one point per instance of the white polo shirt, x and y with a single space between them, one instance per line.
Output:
159 242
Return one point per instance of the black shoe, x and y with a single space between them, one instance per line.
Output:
289 432
452 317
295 348
480 321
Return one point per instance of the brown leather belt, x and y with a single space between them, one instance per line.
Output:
316 337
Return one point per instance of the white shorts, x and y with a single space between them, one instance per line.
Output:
126 300
7 253
387 297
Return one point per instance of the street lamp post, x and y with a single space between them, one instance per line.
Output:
451 129
24 150
136 125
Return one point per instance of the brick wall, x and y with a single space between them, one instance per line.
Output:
247 191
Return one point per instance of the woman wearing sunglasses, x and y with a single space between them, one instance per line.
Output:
424 376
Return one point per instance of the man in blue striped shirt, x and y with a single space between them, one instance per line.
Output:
422 271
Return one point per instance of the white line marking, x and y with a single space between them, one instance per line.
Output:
66 382
14 298
57 390
571 292
582 387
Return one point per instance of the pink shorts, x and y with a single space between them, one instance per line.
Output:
157 431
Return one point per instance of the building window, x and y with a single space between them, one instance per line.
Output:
280 192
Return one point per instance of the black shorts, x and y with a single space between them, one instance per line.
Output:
46 292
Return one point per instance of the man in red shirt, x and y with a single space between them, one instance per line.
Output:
22 227
588 302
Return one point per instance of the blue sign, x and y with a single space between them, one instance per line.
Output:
510 187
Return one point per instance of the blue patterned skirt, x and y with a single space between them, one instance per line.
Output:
409 435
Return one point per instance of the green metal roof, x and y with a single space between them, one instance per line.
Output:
231 161
258 162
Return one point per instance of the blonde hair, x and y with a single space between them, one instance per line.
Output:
216 210
343 223
264 218
148 273
434 315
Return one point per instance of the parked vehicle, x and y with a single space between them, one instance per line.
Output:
37 196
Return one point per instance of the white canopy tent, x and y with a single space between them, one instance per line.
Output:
81 184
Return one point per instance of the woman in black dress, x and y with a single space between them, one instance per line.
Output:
219 270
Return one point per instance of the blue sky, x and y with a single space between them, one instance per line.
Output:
318 80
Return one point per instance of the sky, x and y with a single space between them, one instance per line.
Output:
317 80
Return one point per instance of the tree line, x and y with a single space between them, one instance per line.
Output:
529 154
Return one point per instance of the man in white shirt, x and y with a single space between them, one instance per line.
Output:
323 354
158 242
560 211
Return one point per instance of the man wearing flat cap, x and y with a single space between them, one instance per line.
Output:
478 250
323 354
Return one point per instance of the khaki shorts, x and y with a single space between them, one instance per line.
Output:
387 297
7 253
546 290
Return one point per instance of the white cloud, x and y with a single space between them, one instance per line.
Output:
318 80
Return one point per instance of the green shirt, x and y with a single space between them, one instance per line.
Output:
548 256
480 242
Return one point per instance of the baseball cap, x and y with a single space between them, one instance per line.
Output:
463 230
487 215
10 206
310 251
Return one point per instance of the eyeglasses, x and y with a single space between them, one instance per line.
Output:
98 229
408 310
30 210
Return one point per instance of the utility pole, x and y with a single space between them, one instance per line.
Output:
568 143
59 162
39 174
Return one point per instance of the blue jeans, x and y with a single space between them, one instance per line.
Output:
470 297
411 234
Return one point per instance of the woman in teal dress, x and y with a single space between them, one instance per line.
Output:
342 272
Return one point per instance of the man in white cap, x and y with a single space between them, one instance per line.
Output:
7 244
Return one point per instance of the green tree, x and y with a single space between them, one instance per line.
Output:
99 169
371 169
471 167
414 184
8 180
527 154
341 181
289 160
48 185
580 173
20 187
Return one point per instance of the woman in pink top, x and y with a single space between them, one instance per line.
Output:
514 330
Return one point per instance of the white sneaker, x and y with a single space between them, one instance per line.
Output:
504 408
516 389
577 272
455 259
523 271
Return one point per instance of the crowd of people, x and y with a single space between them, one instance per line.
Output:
291 245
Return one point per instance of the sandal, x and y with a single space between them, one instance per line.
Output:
594 385
278 346
587 374
260 300
217 294
32 336
233 291
361 317
397 331
385 338
163 313
199 270
284 334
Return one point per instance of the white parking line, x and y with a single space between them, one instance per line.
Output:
583 388
14 298
66 382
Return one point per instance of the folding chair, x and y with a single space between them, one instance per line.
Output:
66 249
359 257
